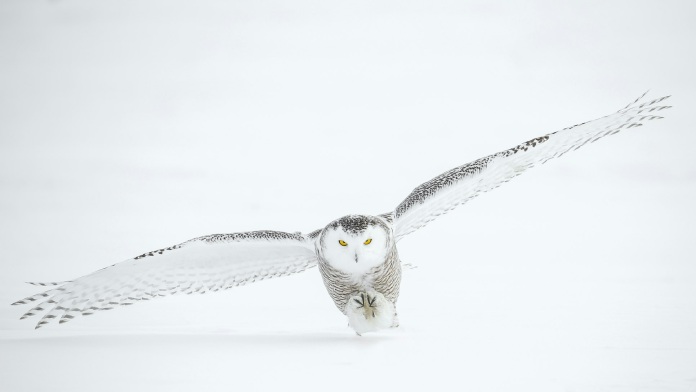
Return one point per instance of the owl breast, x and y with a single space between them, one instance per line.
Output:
384 278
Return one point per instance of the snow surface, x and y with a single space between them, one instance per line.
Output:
127 126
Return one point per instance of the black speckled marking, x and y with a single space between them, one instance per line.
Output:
522 147
631 116
313 235
268 235
426 190
384 278
157 252
356 224
389 217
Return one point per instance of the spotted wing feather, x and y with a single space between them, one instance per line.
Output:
209 263
461 184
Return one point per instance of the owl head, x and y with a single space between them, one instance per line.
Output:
356 243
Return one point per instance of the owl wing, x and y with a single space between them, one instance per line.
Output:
461 184
209 263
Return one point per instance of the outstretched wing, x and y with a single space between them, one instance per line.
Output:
210 263
461 184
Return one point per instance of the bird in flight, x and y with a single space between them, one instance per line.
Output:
357 255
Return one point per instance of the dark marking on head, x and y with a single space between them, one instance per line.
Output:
356 224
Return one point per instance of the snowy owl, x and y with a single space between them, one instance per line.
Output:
357 254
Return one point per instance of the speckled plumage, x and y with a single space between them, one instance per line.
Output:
384 278
366 271
461 184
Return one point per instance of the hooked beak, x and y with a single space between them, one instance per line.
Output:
356 257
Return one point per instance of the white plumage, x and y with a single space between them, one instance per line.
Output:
209 263
356 254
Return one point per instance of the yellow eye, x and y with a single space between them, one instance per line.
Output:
343 243
369 240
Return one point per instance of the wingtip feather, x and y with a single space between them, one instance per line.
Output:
636 100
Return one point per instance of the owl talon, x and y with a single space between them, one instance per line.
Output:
369 311
371 301
367 303
360 301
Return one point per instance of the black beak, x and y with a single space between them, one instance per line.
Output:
356 257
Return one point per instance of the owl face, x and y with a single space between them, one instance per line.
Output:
356 243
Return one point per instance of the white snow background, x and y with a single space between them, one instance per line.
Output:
128 126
